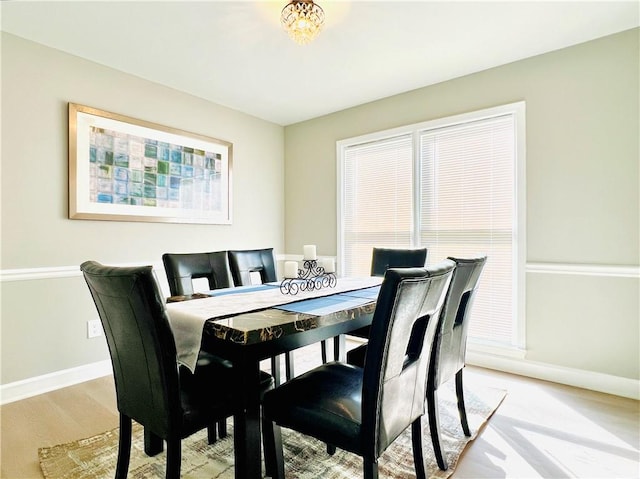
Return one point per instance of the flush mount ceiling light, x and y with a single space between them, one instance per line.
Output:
302 19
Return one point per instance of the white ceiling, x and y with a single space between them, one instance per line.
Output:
236 54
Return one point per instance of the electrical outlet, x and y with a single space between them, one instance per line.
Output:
94 328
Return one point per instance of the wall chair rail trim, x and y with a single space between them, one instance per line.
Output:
623 271
612 270
28 274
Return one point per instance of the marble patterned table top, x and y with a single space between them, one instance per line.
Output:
249 316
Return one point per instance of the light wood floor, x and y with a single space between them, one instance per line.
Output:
541 430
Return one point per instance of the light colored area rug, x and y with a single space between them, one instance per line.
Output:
306 458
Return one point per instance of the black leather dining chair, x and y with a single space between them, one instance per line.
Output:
385 258
248 263
448 355
170 402
246 266
363 410
449 346
182 268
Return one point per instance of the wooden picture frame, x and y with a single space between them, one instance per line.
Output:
124 169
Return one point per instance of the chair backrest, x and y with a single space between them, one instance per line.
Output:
399 350
451 340
385 258
183 268
141 344
246 264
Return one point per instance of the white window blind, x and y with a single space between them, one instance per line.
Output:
467 207
467 199
377 200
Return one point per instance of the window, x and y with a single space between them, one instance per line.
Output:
378 204
454 185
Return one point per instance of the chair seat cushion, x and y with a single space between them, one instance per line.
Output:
356 355
205 359
210 394
213 371
361 332
324 403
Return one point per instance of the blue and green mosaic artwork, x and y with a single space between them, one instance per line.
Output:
131 170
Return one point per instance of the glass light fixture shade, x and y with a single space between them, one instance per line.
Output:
303 20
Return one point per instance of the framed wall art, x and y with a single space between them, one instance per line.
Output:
125 169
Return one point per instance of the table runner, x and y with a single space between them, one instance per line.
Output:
187 318
325 305
370 293
242 289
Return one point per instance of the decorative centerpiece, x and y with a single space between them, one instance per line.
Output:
311 276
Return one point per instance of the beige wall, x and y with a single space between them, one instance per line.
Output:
582 193
582 182
44 320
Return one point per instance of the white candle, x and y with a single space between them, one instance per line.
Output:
310 252
329 265
290 269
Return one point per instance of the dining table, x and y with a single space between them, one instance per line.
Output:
246 325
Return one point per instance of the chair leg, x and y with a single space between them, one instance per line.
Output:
434 426
331 449
340 348
174 457
275 370
222 428
418 451
212 435
124 447
323 351
369 468
273 454
153 444
461 408
289 365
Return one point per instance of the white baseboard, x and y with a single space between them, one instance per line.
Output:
605 383
49 382
580 378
